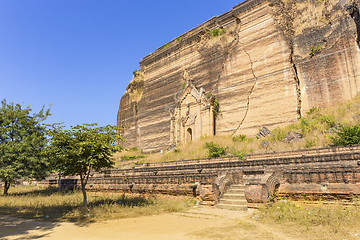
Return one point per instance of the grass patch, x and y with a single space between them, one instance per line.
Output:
131 157
313 221
47 204
216 32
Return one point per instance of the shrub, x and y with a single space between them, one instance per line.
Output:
139 162
214 150
216 107
315 50
309 143
131 157
347 135
183 85
239 138
279 134
308 125
312 110
328 119
237 153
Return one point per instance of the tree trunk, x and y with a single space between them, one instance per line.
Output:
59 180
83 190
6 187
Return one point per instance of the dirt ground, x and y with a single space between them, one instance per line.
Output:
195 224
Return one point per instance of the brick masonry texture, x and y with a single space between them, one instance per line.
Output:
275 61
327 173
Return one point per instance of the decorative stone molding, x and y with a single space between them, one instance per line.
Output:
327 173
192 116
220 185
260 186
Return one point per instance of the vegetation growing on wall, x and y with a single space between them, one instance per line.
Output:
165 45
317 127
136 86
308 14
216 32
315 50
216 107
183 85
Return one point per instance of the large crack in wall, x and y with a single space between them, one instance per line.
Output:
226 52
251 90
206 42
216 63
284 14
297 81
353 10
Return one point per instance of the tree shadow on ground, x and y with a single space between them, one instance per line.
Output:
67 211
18 228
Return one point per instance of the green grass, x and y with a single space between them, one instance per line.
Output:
47 204
315 50
216 32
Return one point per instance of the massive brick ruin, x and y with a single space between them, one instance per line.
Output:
264 63
327 173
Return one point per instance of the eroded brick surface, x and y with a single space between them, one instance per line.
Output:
322 173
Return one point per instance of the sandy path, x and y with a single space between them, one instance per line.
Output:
187 225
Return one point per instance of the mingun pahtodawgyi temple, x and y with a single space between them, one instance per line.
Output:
263 63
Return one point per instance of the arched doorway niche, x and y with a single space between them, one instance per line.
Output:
189 135
192 116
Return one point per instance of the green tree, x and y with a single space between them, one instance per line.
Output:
22 144
82 149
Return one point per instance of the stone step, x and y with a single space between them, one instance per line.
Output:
232 207
234 201
235 191
233 196
237 186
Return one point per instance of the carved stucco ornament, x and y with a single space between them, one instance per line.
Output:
192 116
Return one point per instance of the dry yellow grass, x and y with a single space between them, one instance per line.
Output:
47 204
317 127
290 220
313 221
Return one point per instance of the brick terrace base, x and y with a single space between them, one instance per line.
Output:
326 173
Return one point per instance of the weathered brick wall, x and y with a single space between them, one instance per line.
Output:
327 173
276 60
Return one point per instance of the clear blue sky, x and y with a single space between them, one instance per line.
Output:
79 55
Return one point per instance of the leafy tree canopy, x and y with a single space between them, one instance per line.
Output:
83 148
22 143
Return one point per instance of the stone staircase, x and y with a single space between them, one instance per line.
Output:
234 198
